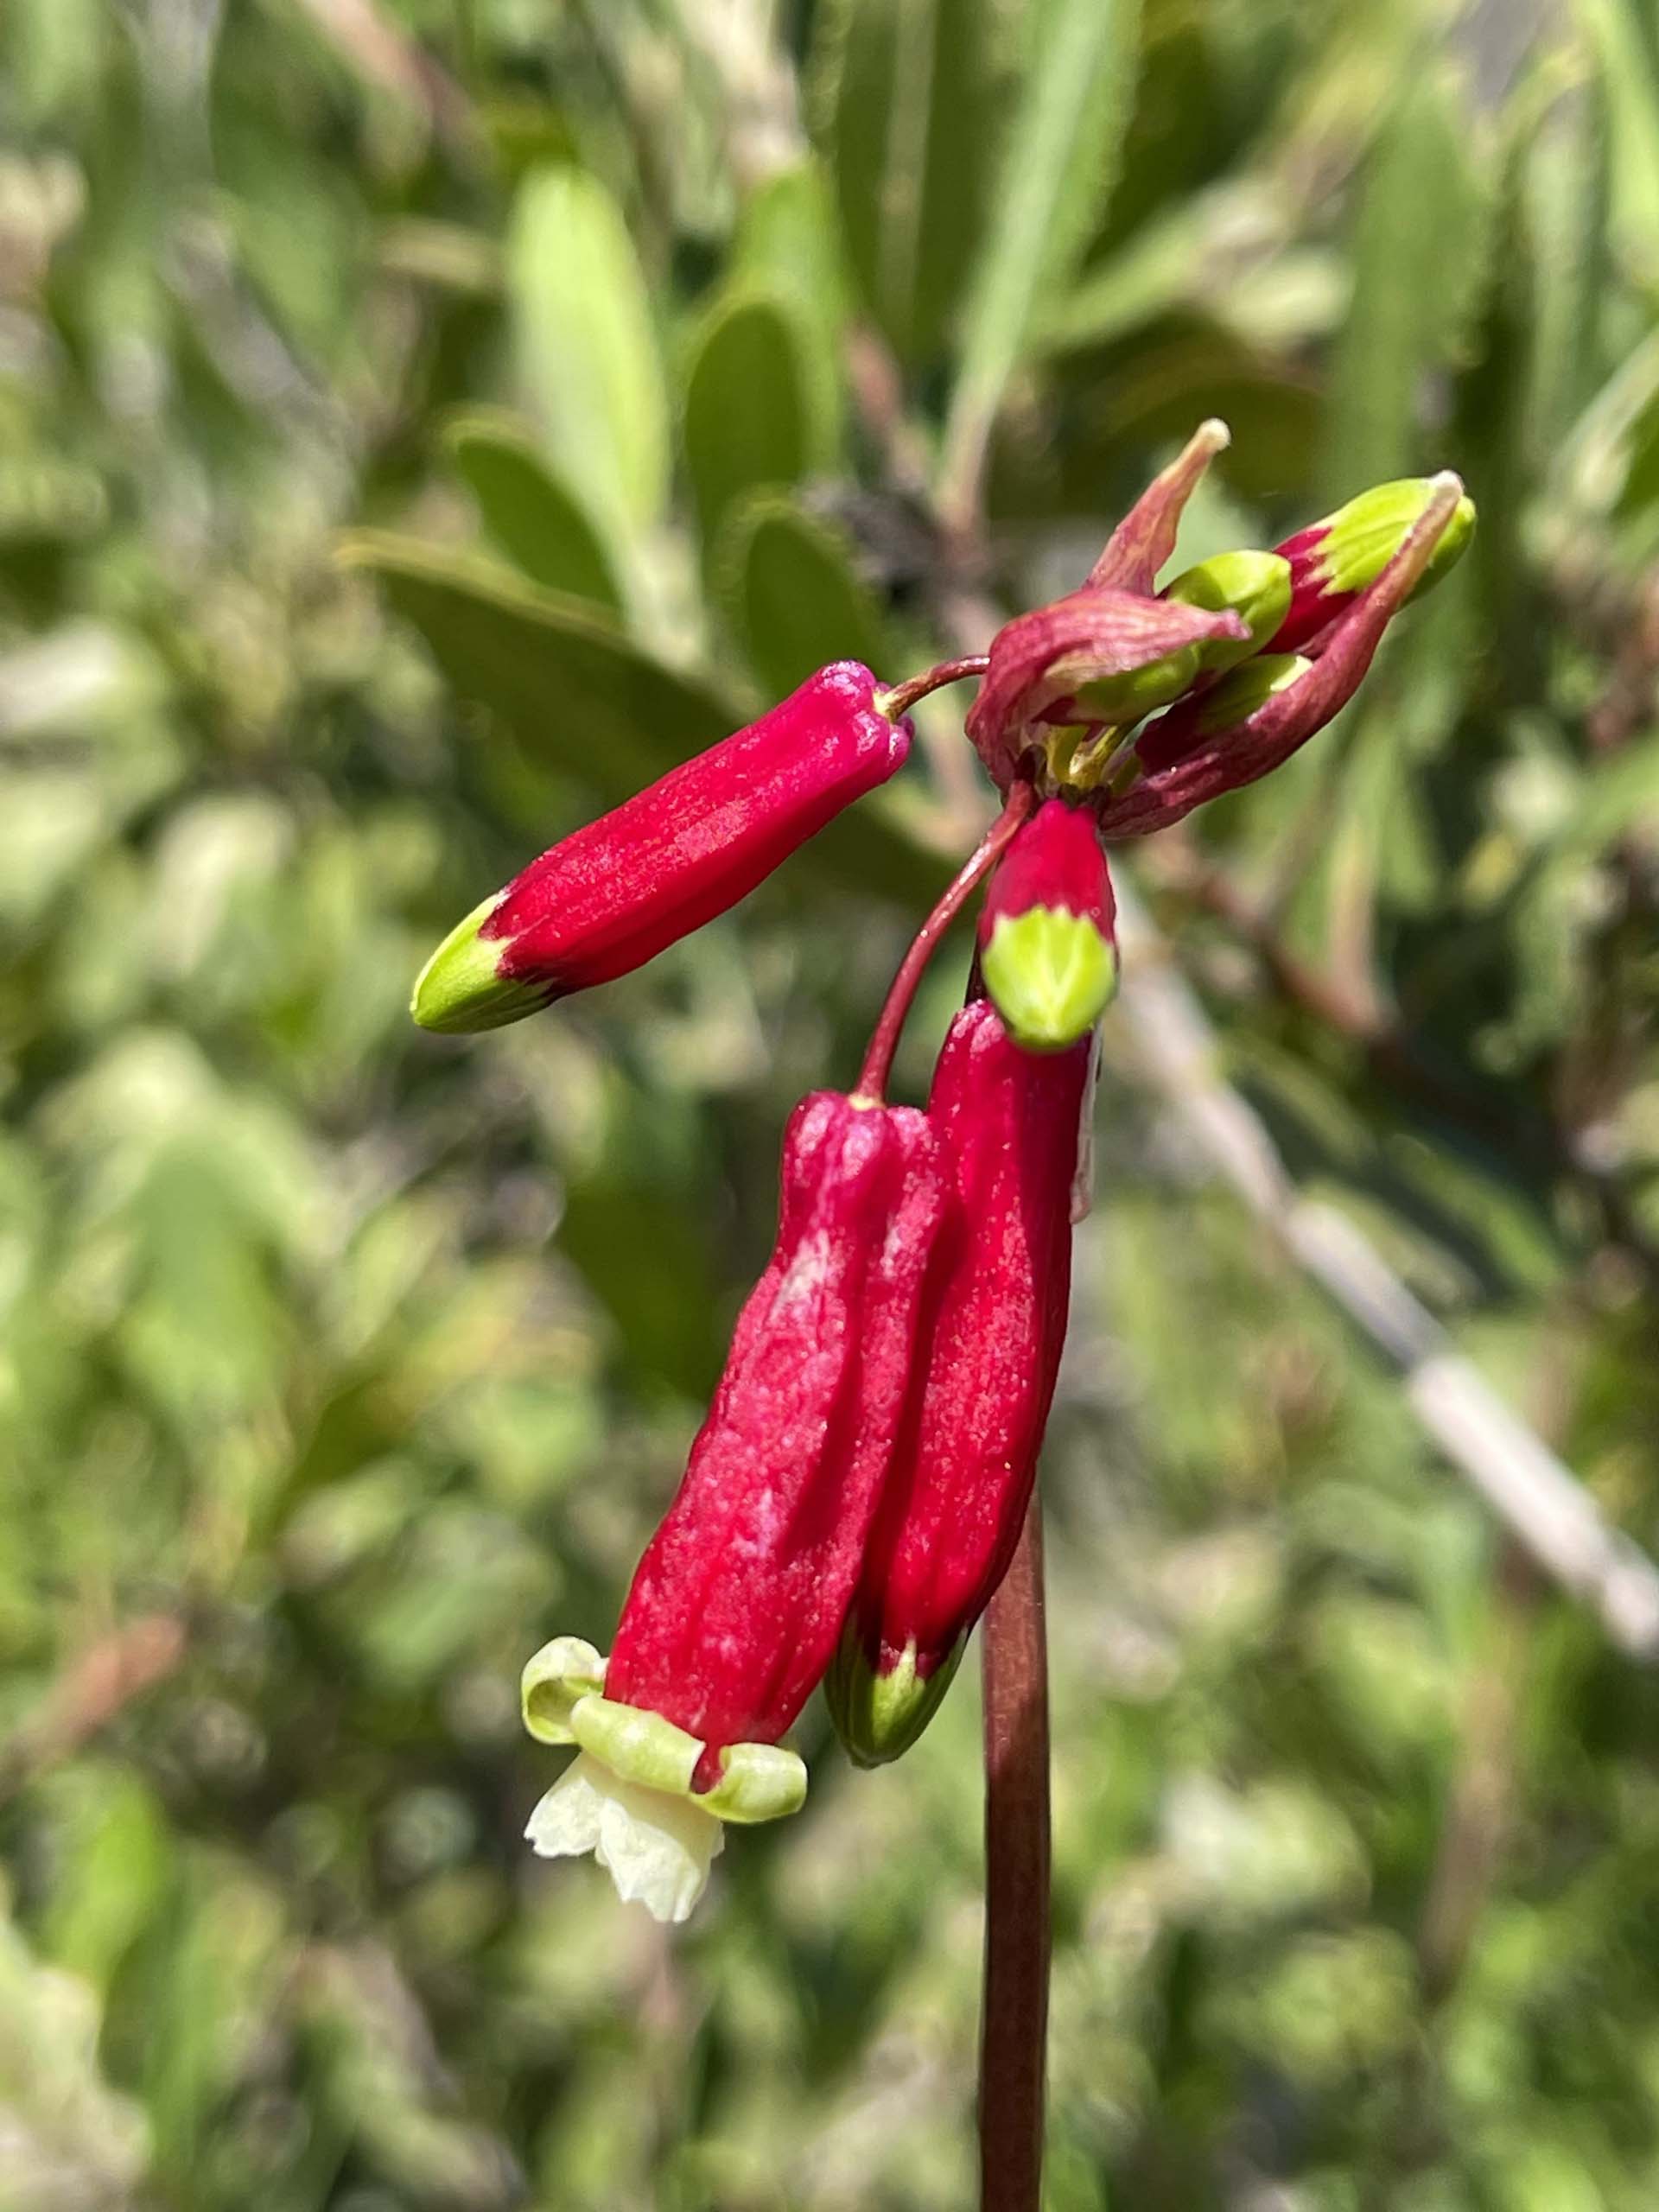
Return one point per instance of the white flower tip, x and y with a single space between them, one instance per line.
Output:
656 1847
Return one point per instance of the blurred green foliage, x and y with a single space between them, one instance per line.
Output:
420 422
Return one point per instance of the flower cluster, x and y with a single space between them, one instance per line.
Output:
856 1491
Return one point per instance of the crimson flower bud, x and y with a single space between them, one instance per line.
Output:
1195 752
1048 948
1174 737
611 896
1334 560
736 1607
1111 655
994 1325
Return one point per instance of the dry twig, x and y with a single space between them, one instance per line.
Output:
1539 1499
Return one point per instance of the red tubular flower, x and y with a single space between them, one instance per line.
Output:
611 896
1048 940
736 1607
858 1489
994 1325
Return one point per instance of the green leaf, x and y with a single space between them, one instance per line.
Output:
1626 48
788 246
1057 168
788 588
748 414
534 517
909 97
1420 251
586 347
1564 188
1156 273
1180 262
571 686
644 1256
1149 394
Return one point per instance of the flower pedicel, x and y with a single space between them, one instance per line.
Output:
857 1489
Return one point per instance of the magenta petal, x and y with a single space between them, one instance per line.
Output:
738 1601
1145 538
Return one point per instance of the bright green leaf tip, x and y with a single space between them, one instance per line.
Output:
459 990
1050 974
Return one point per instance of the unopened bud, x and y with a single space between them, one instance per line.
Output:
1047 947
616 892
1169 738
1256 587
1334 560
879 1712
1101 654
1008 1123
1137 691
1051 976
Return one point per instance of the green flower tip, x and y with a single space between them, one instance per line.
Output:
458 988
1256 587
554 1679
758 1781
1051 976
879 1716
561 1698
642 1747
1362 537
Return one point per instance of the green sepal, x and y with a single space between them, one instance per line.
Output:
758 1781
1137 691
555 1680
1239 695
460 989
1051 976
1362 537
1256 587
879 1716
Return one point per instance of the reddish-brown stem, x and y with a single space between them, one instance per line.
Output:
878 1061
903 696
1013 2025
